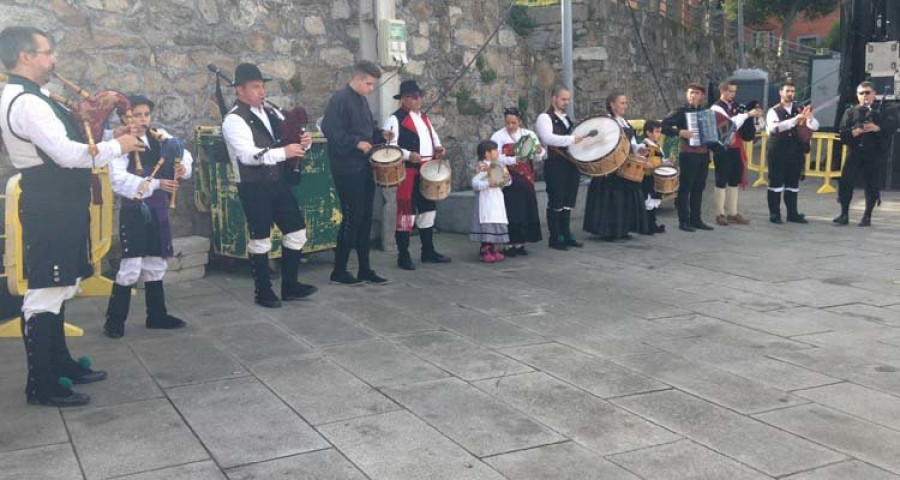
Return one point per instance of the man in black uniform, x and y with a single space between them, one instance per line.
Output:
786 153
252 134
692 160
861 131
47 146
351 130
554 128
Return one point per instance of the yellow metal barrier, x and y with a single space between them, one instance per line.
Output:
13 260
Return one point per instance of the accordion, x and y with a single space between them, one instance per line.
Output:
709 129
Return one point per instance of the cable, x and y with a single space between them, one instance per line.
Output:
465 69
637 30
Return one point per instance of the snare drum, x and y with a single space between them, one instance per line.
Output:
435 180
665 180
632 169
387 165
603 150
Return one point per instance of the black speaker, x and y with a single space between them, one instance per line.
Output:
892 167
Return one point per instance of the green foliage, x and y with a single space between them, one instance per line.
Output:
519 21
760 11
488 75
833 39
296 83
466 105
523 104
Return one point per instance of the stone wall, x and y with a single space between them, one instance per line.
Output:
161 49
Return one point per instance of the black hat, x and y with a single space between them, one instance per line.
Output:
407 87
136 100
246 72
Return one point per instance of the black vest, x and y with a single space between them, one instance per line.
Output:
262 139
409 139
559 128
783 115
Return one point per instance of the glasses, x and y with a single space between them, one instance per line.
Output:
49 53
864 92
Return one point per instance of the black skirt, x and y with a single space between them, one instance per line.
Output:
522 211
614 207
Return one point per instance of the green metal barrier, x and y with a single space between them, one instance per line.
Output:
216 192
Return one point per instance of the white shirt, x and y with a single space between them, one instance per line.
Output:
774 126
544 128
33 119
738 120
502 137
427 143
624 124
127 184
239 139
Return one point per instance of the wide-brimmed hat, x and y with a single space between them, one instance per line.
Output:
247 72
408 87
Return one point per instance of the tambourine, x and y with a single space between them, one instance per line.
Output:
526 148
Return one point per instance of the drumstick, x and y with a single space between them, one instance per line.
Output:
592 133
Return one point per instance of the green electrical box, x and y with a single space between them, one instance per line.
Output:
216 192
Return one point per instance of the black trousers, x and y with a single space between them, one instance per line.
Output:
870 167
268 203
729 168
357 194
562 180
785 165
694 170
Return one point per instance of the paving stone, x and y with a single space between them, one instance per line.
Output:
213 310
742 438
837 363
460 357
23 425
321 465
240 421
862 402
397 446
864 440
873 345
789 322
379 363
322 327
607 346
477 421
51 462
819 294
319 390
127 379
191 471
565 461
131 438
186 359
483 329
597 424
382 318
255 342
684 460
602 378
718 386
844 471
869 313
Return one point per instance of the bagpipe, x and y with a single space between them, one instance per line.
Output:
292 130
747 132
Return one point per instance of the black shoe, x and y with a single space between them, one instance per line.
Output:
699 225
89 377
520 251
344 278
434 257
511 252
627 236
297 291
659 229
371 277
266 298
571 242
559 246
842 219
686 227
74 399
404 261
798 218
168 322
775 218
117 311
865 221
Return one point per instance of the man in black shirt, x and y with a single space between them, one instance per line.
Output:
692 160
351 130
861 131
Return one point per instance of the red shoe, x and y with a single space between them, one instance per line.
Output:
498 256
486 255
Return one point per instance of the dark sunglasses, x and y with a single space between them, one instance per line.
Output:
864 92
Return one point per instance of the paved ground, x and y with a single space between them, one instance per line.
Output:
745 353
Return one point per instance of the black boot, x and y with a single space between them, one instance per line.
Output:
774 199
157 316
404 260
844 217
565 229
117 311
44 387
291 289
790 202
262 286
655 227
429 254
556 241
866 220
64 365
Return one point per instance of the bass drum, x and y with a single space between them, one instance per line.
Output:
603 150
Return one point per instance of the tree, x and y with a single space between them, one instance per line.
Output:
785 11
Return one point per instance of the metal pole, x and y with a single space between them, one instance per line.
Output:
740 29
567 71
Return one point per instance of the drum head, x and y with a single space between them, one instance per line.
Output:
526 146
666 171
435 170
386 154
597 145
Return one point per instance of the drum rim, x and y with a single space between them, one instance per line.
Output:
662 171
601 119
381 148
425 169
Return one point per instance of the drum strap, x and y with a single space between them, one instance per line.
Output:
561 152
